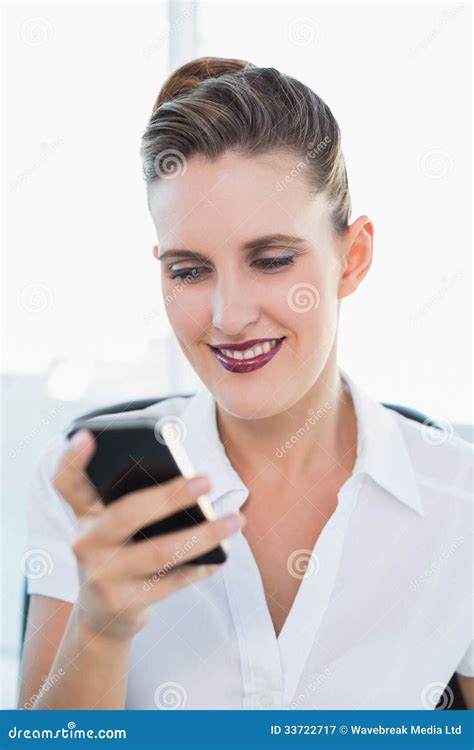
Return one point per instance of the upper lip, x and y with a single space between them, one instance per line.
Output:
245 345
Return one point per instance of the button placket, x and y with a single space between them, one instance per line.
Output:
259 652
313 597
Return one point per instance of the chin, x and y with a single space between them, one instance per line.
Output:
251 405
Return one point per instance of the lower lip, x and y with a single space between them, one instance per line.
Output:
247 365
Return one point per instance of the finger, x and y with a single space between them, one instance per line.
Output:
158 587
166 551
70 478
122 518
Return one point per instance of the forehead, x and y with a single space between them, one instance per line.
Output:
234 198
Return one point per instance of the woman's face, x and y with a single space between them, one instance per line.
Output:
223 290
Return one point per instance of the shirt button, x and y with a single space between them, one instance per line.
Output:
265 700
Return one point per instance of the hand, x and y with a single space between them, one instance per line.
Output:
114 597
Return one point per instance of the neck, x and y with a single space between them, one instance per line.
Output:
316 435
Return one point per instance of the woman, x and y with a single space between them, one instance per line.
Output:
337 507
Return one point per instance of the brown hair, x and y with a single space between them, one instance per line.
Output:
212 105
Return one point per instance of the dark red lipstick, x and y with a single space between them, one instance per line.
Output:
245 365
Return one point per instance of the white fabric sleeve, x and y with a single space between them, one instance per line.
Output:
466 665
48 561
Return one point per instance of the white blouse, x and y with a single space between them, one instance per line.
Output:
383 616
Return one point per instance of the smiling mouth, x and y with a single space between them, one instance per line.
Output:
251 352
250 359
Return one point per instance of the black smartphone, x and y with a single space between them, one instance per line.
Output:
137 452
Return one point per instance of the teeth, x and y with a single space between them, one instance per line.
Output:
249 353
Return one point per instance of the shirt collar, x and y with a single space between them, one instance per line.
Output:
204 447
382 452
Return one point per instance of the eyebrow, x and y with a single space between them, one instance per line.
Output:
249 246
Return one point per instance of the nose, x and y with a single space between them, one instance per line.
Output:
234 307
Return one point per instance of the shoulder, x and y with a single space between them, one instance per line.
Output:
169 407
443 462
175 405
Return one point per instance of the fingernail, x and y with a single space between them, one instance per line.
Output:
234 522
77 440
198 485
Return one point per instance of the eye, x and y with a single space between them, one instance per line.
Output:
269 264
187 275
194 273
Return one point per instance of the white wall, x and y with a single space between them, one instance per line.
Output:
397 78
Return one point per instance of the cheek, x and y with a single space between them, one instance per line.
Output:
312 311
186 310
308 293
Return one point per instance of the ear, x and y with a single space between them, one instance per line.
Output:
155 251
356 255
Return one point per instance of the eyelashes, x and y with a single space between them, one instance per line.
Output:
196 272
270 263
